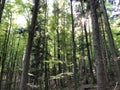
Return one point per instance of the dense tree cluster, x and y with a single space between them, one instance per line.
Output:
64 45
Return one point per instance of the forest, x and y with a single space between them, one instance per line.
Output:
59 44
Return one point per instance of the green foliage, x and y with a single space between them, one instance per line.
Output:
116 32
45 45
61 75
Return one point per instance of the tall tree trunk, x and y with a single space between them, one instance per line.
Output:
58 53
102 80
46 51
105 50
74 49
89 56
82 52
57 11
24 77
111 43
46 71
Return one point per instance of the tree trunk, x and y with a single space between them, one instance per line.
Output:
89 56
102 80
74 50
24 77
46 52
111 43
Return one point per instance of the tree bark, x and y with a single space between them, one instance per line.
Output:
24 77
102 80
111 43
74 49
46 52
89 56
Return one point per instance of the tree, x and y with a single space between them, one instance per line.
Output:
102 80
88 53
4 49
74 49
111 42
24 77
57 47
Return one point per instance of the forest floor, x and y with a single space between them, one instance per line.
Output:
69 85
